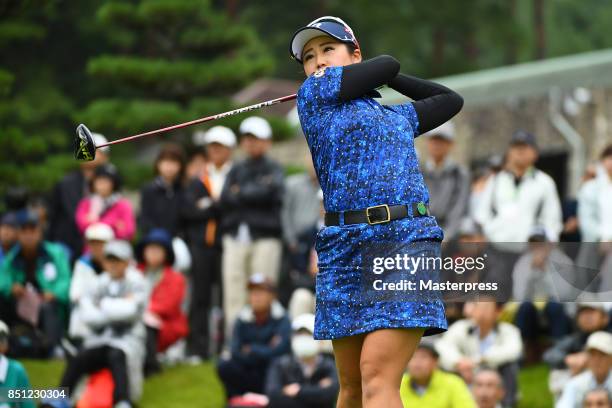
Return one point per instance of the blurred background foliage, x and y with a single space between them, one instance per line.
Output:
124 67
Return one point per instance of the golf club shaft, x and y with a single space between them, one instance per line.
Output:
202 120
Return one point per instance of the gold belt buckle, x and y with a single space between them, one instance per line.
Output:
385 206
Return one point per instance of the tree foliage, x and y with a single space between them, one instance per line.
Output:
123 67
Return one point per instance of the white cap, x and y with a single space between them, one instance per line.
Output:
593 305
256 126
445 131
540 232
304 321
99 139
99 232
4 329
220 134
601 341
119 249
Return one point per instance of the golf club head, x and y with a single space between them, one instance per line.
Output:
84 146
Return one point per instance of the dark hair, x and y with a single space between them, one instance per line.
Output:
157 236
430 349
351 47
487 298
607 152
172 151
109 171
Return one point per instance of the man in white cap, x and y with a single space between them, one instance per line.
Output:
66 196
251 203
113 310
447 181
597 375
305 378
84 274
200 213
567 358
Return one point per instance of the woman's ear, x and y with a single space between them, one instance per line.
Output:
356 56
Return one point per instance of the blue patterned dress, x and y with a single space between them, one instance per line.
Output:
364 155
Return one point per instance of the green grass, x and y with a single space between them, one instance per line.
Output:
198 386
533 386
180 386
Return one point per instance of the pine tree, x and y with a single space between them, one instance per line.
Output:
33 108
174 60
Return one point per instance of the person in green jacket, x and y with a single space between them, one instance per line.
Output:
427 386
35 272
12 374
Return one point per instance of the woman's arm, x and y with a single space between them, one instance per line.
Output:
363 77
434 103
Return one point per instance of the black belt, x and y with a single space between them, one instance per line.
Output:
378 214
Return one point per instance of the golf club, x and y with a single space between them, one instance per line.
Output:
85 148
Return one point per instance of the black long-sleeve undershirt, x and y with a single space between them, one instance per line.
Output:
362 78
433 103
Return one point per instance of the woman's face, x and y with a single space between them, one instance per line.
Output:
154 255
169 169
103 186
324 51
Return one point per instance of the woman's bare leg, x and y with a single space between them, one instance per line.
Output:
347 351
384 356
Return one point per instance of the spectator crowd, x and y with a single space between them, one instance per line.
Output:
218 262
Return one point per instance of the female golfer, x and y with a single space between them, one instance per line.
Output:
367 166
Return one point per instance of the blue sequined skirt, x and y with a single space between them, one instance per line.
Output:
341 307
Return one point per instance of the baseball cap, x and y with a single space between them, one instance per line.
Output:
304 321
261 281
118 249
256 126
220 134
10 219
538 233
445 131
593 305
327 25
601 341
99 139
99 232
523 137
27 218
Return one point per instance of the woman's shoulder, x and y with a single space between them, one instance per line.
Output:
173 275
319 81
123 202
